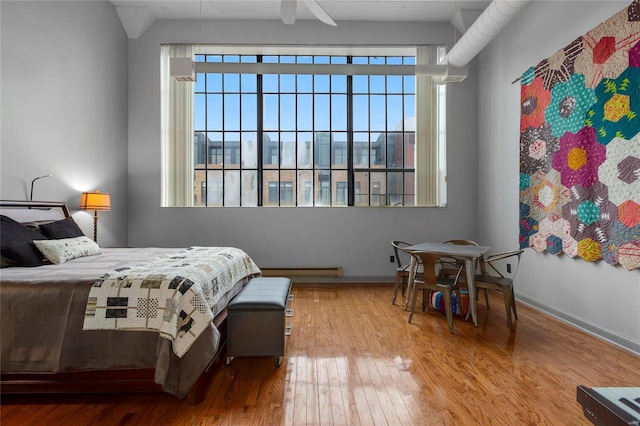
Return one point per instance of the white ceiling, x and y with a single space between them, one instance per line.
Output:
339 10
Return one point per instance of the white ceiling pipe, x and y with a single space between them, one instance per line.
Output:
494 18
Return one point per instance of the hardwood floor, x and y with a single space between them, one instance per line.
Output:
353 359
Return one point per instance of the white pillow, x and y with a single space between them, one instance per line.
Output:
59 251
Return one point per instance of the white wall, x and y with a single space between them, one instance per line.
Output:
357 239
596 296
64 107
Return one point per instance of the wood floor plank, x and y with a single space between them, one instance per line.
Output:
311 384
323 392
353 359
300 401
291 381
338 411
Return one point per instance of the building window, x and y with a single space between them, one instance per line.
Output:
304 137
341 193
273 193
286 193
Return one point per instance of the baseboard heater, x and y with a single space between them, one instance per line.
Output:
328 272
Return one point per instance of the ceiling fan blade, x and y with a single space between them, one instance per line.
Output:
319 12
288 11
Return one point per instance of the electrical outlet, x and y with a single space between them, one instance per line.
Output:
392 259
508 268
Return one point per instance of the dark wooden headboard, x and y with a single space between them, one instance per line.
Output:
36 205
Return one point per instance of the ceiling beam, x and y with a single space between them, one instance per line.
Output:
135 20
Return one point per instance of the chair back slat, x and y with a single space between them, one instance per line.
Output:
452 261
429 261
398 246
461 242
502 256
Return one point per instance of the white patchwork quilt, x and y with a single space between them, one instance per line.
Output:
171 294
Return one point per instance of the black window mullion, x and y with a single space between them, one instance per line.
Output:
260 133
350 173
224 135
369 192
402 163
295 133
331 153
239 149
385 139
206 141
314 148
279 164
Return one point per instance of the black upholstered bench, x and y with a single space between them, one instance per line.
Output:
256 320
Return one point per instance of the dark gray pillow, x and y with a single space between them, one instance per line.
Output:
65 228
7 263
16 243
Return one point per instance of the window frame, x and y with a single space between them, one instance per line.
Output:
355 193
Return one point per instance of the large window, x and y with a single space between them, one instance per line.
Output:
284 130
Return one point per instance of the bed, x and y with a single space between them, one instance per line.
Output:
52 339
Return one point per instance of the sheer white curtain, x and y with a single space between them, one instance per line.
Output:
177 132
427 148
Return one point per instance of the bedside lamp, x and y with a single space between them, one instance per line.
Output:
95 201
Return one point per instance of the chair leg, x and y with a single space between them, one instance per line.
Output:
426 295
395 288
513 303
426 300
486 297
507 294
458 302
448 308
414 297
407 298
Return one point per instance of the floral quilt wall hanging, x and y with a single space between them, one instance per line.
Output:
580 146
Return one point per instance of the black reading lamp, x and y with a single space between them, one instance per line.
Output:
32 182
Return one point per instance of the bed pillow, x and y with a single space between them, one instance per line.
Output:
16 243
59 251
5 262
65 228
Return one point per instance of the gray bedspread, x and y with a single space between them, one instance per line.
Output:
43 311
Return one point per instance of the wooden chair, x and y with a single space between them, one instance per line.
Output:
402 270
429 281
491 278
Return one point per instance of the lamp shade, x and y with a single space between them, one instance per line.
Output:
95 201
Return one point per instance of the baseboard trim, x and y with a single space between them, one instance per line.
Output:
328 272
342 280
613 338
